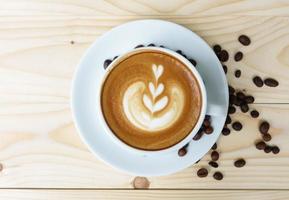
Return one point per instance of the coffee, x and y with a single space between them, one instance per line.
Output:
150 100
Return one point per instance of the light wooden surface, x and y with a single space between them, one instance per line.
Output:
39 146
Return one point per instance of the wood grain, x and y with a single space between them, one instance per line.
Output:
142 194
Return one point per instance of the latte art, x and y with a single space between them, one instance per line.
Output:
142 109
150 100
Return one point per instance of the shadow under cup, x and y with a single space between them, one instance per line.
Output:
152 100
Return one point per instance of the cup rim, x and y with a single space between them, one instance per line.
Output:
182 142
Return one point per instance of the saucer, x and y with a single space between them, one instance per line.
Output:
117 42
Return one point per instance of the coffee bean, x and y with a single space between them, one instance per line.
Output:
254 113
267 149
264 127
225 68
214 147
209 130
215 155
218 176
238 56
193 61
249 99
232 98
139 46
231 110
179 52
140 183
162 46
240 163
223 55
271 82
237 126
237 73
208 117
241 95
275 149
226 131
231 90
213 164
258 81
151 45
244 40
106 63
266 137
260 145
182 151
238 102
206 122
228 120
217 48
244 107
198 135
203 172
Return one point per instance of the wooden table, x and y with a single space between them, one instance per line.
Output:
42 156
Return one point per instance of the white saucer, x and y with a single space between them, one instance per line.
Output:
118 41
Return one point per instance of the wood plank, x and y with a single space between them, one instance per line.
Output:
42 149
143 194
144 7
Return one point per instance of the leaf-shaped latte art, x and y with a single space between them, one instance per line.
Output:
160 104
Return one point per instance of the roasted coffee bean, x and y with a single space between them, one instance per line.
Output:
241 95
264 127
238 102
231 110
275 149
151 45
238 56
198 135
179 52
237 73
213 164
249 99
203 172
193 61
244 40
139 46
217 48
228 120
232 98
266 137
271 82
267 149
215 155
237 126
226 131
244 107
223 55
258 81
106 63
206 122
208 130
208 117
260 145
162 46
218 176
214 147
225 68
231 90
240 163
254 113
182 151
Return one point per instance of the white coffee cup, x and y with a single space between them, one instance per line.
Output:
183 142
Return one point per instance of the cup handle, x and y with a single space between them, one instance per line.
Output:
215 110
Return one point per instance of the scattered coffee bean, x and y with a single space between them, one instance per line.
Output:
244 107
217 48
179 52
139 46
241 95
208 117
215 155
254 113
214 147
260 145
258 81
238 56
249 99
244 40
213 164
266 137
206 122
225 69
151 45
231 110
264 127
140 183
182 151
223 55
193 61
231 90
271 82
232 99
198 135
203 172
267 149
275 149
237 126
240 163
162 46
228 120
226 131
218 176
106 63
237 73
208 130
